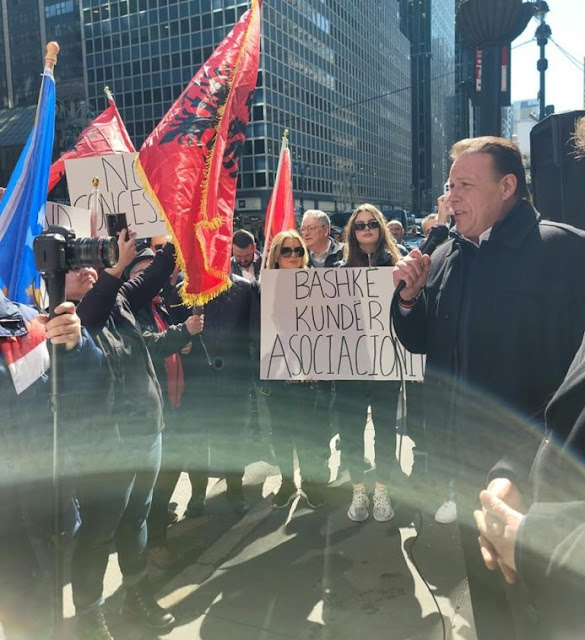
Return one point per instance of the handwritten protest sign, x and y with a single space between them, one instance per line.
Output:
73 217
331 324
120 192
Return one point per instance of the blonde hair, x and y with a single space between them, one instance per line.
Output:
279 238
352 254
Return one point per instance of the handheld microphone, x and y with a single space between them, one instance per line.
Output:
437 235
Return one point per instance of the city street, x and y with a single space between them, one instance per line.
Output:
299 573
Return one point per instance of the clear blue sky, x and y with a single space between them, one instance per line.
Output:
564 81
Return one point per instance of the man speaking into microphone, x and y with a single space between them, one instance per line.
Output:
499 311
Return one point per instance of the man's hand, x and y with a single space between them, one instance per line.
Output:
195 324
498 526
506 491
65 327
127 249
444 211
414 270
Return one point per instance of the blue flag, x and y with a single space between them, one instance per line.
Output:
22 209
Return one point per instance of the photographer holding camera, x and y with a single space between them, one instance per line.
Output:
123 461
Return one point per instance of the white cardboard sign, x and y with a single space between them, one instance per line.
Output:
331 324
73 217
120 192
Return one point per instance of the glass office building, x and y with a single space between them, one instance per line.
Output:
25 28
335 73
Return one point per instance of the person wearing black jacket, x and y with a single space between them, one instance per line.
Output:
123 460
540 543
217 374
368 243
499 311
165 342
26 448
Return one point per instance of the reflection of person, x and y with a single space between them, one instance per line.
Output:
368 243
115 501
542 548
499 312
298 410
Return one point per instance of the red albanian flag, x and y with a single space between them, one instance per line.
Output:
280 215
189 163
105 135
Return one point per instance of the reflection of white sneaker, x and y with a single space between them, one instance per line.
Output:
383 510
447 512
358 510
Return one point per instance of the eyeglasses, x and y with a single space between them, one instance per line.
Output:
370 224
311 228
286 252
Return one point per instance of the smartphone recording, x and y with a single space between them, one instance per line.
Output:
115 222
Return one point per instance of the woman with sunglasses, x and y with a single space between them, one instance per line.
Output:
298 410
368 244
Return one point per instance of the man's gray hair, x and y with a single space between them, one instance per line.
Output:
321 216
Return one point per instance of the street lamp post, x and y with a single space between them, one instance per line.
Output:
543 33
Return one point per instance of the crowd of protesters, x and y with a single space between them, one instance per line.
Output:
154 388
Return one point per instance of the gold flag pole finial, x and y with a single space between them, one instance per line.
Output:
95 182
285 134
51 52
108 93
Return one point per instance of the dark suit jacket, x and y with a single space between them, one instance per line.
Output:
500 325
237 270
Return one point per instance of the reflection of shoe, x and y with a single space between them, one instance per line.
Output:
139 604
286 494
196 506
382 510
162 557
240 506
447 512
358 509
314 495
172 517
239 503
92 626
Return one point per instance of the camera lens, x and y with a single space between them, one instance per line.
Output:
92 252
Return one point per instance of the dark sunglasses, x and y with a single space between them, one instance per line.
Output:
286 252
371 224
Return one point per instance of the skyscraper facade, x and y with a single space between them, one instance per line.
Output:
335 73
25 28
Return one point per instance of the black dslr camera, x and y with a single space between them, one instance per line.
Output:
58 251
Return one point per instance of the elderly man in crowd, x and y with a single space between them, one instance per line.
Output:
324 251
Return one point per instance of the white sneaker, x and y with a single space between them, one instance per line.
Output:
358 510
447 512
383 510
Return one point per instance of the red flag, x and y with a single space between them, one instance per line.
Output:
105 135
189 163
280 215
